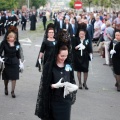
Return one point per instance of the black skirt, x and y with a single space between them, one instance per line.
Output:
60 108
116 65
11 72
81 63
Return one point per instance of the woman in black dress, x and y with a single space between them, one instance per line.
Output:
50 25
10 49
33 21
115 55
15 30
48 47
54 98
82 52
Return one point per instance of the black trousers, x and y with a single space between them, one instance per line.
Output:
44 24
24 26
2 30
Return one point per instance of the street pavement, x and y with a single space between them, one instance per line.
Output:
100 102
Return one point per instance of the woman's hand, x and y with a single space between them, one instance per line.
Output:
58 84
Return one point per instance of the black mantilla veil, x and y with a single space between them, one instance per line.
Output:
50 25
63 38
11 28
81 26
43 100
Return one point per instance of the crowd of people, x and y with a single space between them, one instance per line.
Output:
66 47
69 42
8 18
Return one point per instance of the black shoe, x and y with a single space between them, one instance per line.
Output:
13 94
6 91
118 87
85 86
116 84
80 86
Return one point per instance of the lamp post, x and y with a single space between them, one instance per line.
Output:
89 1
28 4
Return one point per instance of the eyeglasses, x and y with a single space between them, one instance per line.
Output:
50 32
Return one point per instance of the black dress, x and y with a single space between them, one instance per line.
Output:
60 106
116 56
51 105
12 56
33 21
47 48
81 63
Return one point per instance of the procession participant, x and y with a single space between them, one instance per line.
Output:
33 21
11 61
68 26
115 55
14 19
50 25
2 30
15 30
23 21
47 46
82 54
44 20
8 20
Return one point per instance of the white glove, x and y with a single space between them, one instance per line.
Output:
91 56
14 23
69 87
112 52
21 65
1 60
39 61
78 46
82 47
58 84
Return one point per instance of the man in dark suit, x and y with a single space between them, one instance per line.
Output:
2 31
14 20
89 29
59 24
74 27
68 26
23 21
44 20
8 20
33 21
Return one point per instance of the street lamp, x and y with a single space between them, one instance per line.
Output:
89 1
28 4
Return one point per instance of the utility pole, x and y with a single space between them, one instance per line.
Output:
28 4
89 1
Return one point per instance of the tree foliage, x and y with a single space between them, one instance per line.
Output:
105 3
11 4
37 3
71 3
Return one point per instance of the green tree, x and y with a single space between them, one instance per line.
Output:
21 3
71 3
12 4
38 3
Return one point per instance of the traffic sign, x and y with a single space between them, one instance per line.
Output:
78 5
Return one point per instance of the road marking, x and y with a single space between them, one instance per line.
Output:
37 45
26 40
27 44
